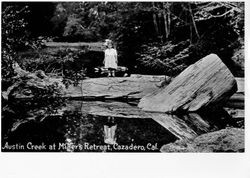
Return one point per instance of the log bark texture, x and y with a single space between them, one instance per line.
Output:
134 87
208 82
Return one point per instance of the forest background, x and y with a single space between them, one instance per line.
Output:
151 37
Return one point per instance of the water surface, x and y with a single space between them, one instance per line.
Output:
71 128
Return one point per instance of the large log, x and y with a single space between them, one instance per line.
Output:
118 88
130 88
186 126
134 88
206 83
28 81
122 89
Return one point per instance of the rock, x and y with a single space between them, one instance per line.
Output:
206 83
225 140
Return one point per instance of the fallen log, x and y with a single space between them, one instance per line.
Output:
133 89
125 89
236 101
236 113
28 81
130 88
240 84
123 110
206 83
186 126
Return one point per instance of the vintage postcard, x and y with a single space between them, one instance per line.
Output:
123 77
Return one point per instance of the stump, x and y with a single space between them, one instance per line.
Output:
206 83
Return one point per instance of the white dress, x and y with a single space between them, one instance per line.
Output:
110 58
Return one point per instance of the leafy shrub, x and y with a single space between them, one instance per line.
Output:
13 38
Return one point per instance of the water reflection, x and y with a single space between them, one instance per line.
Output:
106 127
109 131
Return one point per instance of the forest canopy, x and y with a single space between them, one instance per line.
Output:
151 37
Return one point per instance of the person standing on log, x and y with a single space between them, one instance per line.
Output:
110 59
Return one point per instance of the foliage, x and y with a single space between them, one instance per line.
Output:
217 33
80 21
168 58
13 37
137 28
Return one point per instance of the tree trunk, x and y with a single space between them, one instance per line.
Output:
167 19
193 22
165 24
206 83
155 22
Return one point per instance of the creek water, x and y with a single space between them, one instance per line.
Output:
66 128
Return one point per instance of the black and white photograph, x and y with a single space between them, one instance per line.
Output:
123 77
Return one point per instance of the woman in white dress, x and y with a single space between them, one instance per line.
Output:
110 59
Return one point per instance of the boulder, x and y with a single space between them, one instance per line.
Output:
206 83
225 140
